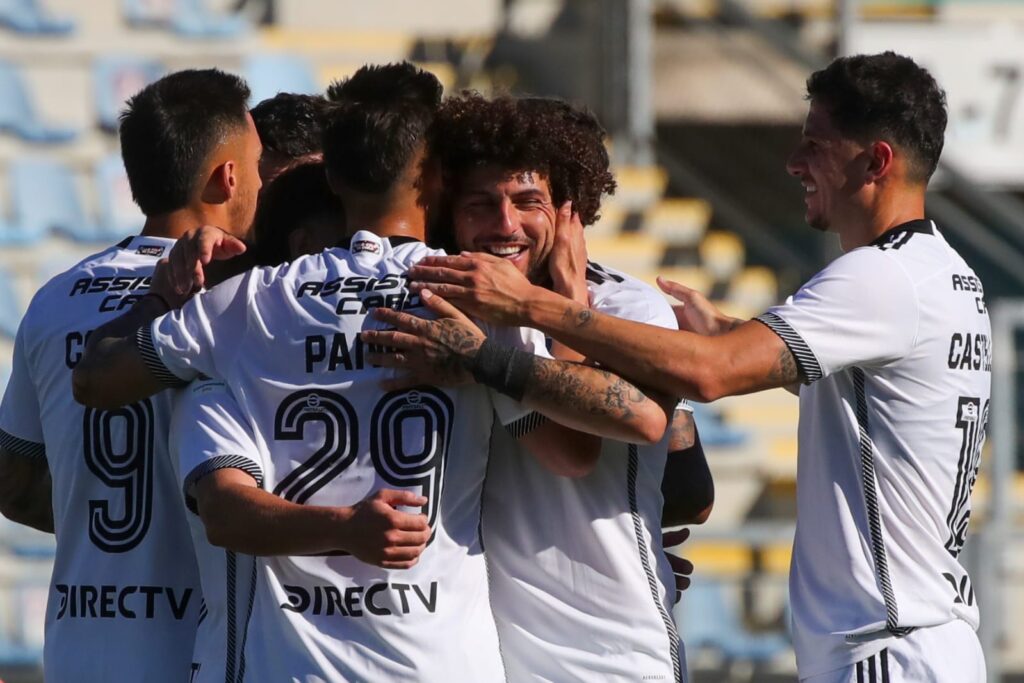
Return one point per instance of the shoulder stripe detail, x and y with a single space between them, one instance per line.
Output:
22 447
597 274
215 463
652 581
869 484
805 358
525 425
144 342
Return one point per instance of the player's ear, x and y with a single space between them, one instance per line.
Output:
222 184
880 161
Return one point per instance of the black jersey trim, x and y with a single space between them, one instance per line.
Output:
253 573
144 342
806 361
22 447
525 425
652 581
870 487
123 244
597 274
230 663
896 237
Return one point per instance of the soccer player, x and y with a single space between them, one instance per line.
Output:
346 465
290 126
297 214
580 586
125 597
892 343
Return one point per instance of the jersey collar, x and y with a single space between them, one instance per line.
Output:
920 225
157 247
394 241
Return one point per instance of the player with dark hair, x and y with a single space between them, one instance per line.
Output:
124 597
525 176
892 342
290 126
326 472
298 214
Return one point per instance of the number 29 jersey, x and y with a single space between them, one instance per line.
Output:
124 594
287 342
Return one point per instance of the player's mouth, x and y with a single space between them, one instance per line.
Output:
505 250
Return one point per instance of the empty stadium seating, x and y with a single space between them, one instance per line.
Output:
18 114
32 18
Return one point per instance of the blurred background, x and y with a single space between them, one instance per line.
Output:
703 100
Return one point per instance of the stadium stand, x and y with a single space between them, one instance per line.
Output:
269 74
32 18
19 116
115 79
45 198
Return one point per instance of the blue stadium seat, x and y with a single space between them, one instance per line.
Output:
29 17
17 113
115 79
11 234
118 214
193 19
10 310
188 18
268 75
45 198
707 621
713 431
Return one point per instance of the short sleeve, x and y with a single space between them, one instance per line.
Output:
21 427
210 433
861 310
201 337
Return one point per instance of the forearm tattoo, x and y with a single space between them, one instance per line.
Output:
785 370
681 431
580 318
563 383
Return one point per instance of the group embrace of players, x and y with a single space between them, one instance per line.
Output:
355 406
331 485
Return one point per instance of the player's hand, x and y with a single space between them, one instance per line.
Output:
452 338
483 285
384 536
419 361
567 263
681 567
194 250
695 313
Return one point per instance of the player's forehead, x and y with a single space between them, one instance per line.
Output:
496 180
819 122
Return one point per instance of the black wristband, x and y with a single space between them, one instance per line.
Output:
502 368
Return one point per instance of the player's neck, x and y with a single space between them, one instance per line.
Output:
885 213
174 224
393 219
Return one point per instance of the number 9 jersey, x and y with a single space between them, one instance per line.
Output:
124 595
286 341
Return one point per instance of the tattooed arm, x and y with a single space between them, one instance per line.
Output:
748 358
577 396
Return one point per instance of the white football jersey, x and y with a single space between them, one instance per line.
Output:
286 341
894 340
209 432
124 595
580 586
